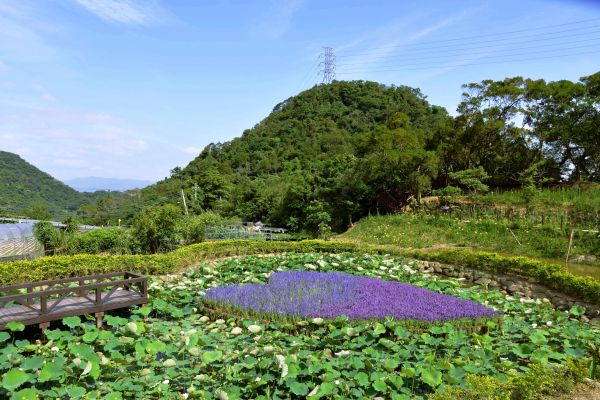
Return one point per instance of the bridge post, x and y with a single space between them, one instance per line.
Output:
99 316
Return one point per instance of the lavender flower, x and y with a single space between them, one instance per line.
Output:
331 294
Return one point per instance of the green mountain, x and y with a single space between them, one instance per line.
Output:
313 162
23 186
337 152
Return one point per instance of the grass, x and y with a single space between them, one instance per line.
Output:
582 198
420 231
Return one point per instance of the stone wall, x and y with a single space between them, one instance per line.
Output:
510 284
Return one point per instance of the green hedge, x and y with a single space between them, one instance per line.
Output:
551 275
56 267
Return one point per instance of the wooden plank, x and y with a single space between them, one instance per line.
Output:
43 306
69 307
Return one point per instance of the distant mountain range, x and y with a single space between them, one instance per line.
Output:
94 184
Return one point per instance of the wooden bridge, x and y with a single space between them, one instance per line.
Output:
46 301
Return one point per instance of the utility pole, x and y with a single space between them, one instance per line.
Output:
195 191
184 203
328 64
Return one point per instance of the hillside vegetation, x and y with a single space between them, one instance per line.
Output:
335 153
25 186
423 231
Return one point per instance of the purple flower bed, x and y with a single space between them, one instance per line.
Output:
331 294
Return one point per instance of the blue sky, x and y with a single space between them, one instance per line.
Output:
131 88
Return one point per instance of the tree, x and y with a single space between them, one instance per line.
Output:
48 235
472 179
38 211
154 228
395 159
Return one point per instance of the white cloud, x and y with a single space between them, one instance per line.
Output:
125 11
20 43
98 117
278 18
381 49
192 150
45 94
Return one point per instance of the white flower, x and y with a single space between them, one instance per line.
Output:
221 394
220 321
310 266
257 379
169 363
204 318
359 269
282 365
166 382
549 323
185 395
254 328
269 349
55 349
534 326
236 331
337 382
317 321
87 369
342 353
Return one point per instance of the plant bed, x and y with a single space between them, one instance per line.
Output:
180 352
329 295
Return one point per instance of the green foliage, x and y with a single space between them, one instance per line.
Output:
47 234
524 238
154 228
471 179
448 195
104 240
552 275
192 228
26 187
537 383
38 211
174 346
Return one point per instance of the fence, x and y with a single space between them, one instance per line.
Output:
244 232
563 219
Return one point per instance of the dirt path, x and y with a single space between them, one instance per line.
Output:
582 392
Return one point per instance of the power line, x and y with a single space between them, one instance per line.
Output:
434 58
309 77
328 64
459 49
471 64
489 35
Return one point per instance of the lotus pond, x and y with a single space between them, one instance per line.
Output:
177 348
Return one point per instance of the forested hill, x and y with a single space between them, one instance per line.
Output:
302 165
337 152
23 186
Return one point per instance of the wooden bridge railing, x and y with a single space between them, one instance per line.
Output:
45 301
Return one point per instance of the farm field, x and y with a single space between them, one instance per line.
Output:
188 348
423 231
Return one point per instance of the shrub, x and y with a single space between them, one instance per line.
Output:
47 234
104 240
551 275
192 229
539 382
154 228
